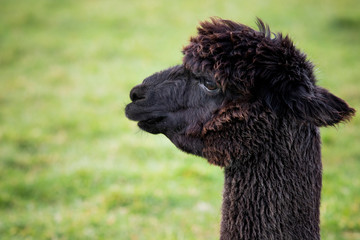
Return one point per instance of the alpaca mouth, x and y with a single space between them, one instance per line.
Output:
152 121
141 114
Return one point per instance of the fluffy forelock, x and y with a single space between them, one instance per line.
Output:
236 54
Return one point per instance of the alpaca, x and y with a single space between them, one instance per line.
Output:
247 101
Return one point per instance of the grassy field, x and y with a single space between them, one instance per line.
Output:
73 167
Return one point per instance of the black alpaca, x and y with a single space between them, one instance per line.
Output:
247 101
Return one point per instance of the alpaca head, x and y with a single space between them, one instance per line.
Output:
176 102
231 79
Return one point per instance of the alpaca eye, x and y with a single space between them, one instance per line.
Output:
211 86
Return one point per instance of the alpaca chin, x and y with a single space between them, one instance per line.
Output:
152 125
187 144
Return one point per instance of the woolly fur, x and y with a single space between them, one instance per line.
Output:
260 125
266 134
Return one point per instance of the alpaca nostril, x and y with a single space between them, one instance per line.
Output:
137 93
134 96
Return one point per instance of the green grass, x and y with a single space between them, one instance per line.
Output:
73 167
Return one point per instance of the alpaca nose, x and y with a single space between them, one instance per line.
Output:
137 93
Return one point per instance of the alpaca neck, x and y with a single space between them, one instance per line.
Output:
273 196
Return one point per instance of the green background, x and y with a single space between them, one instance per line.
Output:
73 167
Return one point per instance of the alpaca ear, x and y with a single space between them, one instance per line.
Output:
324 108
316 105
288 85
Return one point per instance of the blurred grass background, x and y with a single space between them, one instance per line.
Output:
73 167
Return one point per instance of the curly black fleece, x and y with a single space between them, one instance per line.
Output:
260 123
266 135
